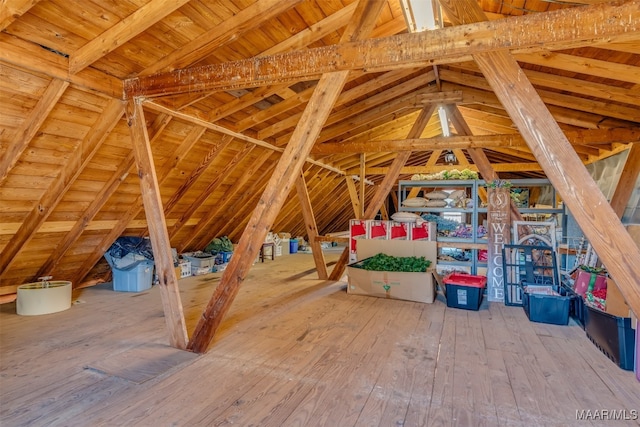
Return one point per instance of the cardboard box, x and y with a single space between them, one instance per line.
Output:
401 248
423 231
357 231
398 230
418 287
377 229
615 305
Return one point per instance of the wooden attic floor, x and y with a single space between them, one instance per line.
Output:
295 351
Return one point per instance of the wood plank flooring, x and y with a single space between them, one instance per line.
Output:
297 351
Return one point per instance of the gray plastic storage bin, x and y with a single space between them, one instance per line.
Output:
136 277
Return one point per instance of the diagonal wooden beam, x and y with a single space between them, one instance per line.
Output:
286 171
122 32
581 89
235 216
228 30
61 184
290 215
30 56
352 94
547 142
582 65
403 105
587 137
479 157
13 9
268 207
31 125
163 260
362 183
607 107
300 40
561 29
197 120
312 228
319 185
246 100
292 102
627 181
353 195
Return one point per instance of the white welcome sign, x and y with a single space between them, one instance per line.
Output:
498 234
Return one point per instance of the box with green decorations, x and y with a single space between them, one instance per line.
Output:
399 269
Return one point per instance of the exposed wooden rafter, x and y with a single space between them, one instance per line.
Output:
581 137
556 30
12 9
31 125
203 122
238 24
38 59
163 261
312 228
122 32
627 181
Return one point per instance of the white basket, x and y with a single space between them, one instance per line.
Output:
199 271
185 269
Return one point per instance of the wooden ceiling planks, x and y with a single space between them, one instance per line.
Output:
30 126
122 32
13 9
59 187
209 224
229 29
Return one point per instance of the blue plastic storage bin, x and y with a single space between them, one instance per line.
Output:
576 306
226 256
221 258
545 308
613 335
136 277
293 246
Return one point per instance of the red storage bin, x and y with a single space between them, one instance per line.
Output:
464 290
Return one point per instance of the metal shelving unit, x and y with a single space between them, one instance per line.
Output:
474 215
